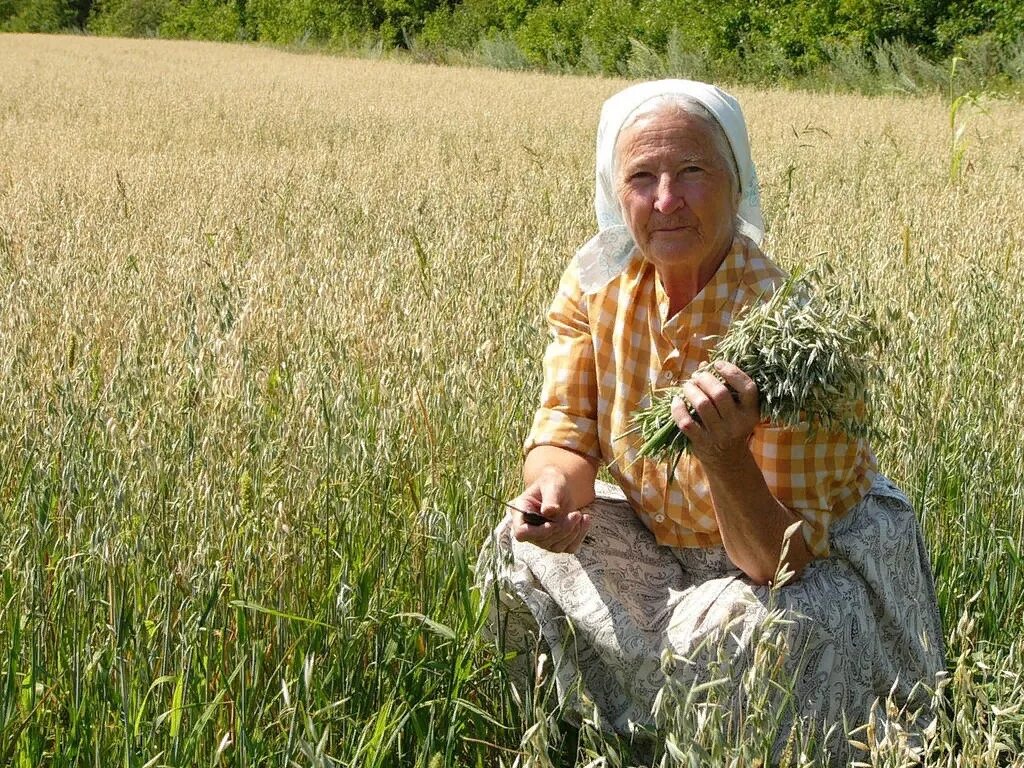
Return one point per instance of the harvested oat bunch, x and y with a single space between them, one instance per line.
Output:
811 354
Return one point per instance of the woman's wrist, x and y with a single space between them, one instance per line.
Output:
733 463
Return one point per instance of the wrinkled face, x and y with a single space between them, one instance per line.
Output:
675 189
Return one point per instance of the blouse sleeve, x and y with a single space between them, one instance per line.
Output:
821 476
567 416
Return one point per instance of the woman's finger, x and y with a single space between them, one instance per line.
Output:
705 407
719 393
528 523
554 535
544 536
738 382
581 534
523 531
570 532
683 416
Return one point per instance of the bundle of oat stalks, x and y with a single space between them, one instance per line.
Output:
810 354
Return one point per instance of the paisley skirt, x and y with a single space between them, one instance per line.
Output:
623 615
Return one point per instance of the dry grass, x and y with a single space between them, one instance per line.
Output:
271 328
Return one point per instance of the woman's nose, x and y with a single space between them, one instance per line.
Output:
666 198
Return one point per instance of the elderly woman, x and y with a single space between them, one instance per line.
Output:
615 576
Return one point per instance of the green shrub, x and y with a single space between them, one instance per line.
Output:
842 43
903 67
847 66
682 60
292 21
551 34
459 28
607 33
644 63
37 15
1013 59
794 31
203 20
982 57
129 18
499 50
398 21
465 25
280 22
873 21
689 21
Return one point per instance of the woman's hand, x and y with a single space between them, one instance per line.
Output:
751 521
549 496
726 414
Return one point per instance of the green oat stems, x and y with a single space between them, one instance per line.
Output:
809 347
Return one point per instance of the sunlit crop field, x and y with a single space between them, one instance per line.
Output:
270 331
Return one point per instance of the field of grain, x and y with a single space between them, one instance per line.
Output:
269 341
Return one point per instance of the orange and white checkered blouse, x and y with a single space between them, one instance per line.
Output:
609 348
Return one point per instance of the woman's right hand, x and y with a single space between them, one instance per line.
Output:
550 496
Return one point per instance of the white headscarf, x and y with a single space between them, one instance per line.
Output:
604 257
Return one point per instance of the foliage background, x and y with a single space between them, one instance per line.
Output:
844 42
269 342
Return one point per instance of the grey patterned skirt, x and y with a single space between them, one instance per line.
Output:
859 626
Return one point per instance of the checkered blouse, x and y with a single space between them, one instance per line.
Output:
610 347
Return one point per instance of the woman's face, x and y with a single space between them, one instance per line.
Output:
675 190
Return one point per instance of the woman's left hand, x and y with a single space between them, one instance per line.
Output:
726 415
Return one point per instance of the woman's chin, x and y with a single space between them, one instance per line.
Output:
675 247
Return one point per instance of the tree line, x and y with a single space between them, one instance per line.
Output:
739 39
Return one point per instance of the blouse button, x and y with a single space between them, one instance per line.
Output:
659 518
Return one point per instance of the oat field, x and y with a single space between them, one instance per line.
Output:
270 330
